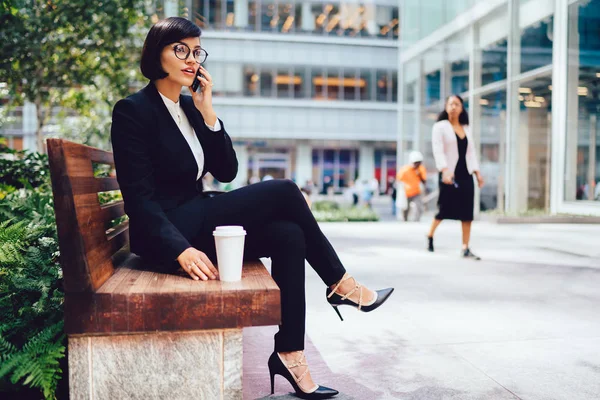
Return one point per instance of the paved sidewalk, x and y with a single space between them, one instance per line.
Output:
523 323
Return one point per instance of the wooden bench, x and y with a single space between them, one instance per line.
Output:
135 333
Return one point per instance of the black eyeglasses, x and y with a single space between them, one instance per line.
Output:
182 51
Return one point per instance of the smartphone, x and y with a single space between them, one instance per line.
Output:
196 83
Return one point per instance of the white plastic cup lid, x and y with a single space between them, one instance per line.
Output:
229 227
229 230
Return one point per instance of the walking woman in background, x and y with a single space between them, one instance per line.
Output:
164 143
456 159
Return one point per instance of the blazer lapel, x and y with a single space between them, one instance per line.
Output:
167 126
187 104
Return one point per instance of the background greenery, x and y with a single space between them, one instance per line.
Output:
79 55
331 211
32 342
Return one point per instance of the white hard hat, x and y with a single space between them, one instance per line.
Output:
415 156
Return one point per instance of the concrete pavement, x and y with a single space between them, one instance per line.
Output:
523 323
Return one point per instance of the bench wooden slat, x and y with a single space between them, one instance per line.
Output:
76 151
100 156
90 184
114 232
112 211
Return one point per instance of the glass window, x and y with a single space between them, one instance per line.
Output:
266 82
251 80
229 14
215 13
531 151
432 87
267 16
459 76
394 86
386 19
333 84
318 90
491 149
252 15
411 74
383 86
536 43
365 90
582 171
284 83
298 82
494 62
351 84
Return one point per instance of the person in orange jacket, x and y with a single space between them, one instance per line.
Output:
411 176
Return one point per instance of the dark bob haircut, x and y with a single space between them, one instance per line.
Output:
163 33
463 118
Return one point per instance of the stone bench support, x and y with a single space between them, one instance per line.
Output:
164 365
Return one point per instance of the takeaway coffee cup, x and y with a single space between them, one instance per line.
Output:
229 242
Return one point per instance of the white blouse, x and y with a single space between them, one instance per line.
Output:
187 131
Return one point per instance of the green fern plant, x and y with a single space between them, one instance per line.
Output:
32 340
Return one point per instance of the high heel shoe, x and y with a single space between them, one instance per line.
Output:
277 367
336 299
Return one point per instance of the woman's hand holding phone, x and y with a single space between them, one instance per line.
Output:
196 83
203 98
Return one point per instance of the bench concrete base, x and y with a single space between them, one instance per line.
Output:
162 365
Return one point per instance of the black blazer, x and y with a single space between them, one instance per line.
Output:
157 171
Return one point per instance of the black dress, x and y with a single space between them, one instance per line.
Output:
456 200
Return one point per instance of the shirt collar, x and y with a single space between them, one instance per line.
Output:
170 103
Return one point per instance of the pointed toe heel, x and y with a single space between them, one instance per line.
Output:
336 299
277 367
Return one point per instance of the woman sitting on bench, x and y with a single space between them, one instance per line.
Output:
164 143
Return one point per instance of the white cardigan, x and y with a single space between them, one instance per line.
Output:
445 147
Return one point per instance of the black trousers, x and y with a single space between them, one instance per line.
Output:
280 225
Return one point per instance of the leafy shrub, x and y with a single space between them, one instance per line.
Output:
21 169
330 211
325 205
32 341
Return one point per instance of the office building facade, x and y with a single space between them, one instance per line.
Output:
308 90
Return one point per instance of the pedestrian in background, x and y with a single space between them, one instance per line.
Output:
411 177
393 191
456 159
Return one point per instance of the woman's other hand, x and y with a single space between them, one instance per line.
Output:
203 97
447 177
197 264
480 180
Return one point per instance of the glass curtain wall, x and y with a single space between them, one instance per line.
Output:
303 82
582 169
534 134
519 142
347 19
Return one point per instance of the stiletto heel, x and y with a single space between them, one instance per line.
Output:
337 311
272 381
335 299
277 367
